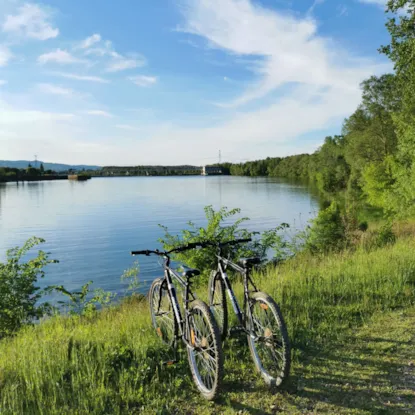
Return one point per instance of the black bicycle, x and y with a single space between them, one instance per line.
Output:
261 319
197 329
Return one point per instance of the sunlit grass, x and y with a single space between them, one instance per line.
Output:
111 363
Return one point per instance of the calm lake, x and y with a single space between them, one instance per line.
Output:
91 227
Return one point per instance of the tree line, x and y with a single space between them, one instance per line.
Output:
373 159
9 174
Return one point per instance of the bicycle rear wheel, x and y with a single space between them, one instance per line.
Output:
205 350
217 302
162 314
268 339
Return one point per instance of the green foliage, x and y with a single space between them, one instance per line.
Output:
131 275
328 232
84 302
218 230
385 235
18 290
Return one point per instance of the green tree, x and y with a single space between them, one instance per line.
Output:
42 169
401 51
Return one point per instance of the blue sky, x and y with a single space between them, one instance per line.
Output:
175 81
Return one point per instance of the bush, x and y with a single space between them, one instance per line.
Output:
18 291
385 235
216 231
328 231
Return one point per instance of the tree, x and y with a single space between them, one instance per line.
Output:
42 169
401 51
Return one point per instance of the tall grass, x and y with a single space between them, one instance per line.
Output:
111 363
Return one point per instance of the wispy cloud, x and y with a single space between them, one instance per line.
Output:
55 90
284 49
90 41
380 3
31 21
121 64
99 113
5 55
59 56
86 78
95 46
342 10
143 81
3 82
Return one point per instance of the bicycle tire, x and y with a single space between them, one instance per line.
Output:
162 317
271 334
208 340
217 303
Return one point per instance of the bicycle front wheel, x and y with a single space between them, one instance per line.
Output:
204 350
268 339
162 315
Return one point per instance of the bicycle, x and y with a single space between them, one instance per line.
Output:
197 330
261 320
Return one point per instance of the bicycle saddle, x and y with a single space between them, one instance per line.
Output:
188 272
249 262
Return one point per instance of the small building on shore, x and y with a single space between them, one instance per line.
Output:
211 170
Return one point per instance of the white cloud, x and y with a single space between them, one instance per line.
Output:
2 82
32 21
121 64
284 49
5 55
90 41
117 62
55 90
144 81
59 56
76 77
100 113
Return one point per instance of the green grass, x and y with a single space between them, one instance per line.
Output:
111 363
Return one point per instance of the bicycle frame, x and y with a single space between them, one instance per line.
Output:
223 264
169 274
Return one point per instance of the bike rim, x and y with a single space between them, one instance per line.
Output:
268 344
202 352
163 318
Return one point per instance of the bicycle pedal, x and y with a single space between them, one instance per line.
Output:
169 362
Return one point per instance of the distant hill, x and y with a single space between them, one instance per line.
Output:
22 164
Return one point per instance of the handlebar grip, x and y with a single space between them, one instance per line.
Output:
133 253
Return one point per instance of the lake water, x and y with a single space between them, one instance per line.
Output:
91 227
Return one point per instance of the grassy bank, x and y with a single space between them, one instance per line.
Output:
111 363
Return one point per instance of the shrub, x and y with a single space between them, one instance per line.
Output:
328 231
216 231
18 291
385 235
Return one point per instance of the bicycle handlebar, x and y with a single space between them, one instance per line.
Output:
162 253
191 246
